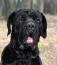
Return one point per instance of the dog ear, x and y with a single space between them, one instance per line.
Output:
44 27
10 22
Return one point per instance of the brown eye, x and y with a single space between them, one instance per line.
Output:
21 19
38 20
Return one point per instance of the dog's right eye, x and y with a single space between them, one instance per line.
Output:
21 19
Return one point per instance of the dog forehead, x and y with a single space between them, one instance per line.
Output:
25 13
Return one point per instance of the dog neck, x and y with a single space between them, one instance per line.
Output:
30 54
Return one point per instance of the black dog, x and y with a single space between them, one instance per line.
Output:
27 27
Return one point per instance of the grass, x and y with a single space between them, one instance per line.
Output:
47 47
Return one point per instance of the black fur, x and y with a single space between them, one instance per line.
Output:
25 23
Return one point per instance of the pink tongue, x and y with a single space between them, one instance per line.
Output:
29 38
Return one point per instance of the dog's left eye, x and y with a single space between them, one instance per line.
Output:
37 19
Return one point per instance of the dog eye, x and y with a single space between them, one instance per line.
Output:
21 19
38 20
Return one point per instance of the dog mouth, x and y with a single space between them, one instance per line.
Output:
29 43
30 39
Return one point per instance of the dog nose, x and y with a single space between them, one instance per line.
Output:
31 25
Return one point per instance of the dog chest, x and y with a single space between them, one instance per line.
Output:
23 61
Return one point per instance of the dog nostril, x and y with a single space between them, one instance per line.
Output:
31 25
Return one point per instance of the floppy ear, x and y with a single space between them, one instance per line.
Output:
44 27
10 22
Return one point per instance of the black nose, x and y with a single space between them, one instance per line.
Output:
31 25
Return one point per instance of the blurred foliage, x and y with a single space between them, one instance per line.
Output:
50 6
44 6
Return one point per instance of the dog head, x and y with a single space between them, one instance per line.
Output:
27 27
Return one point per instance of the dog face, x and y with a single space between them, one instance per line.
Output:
27 27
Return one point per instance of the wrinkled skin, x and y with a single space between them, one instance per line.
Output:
27 27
